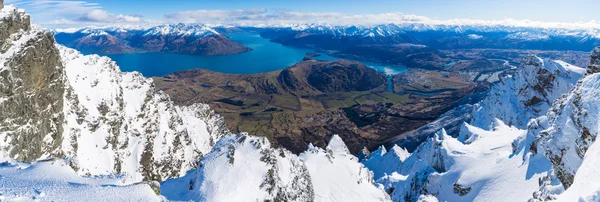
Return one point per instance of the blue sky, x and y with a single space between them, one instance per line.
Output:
80 12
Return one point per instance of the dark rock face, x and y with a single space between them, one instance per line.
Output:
595 61
33 81
101 44
13 24
333 76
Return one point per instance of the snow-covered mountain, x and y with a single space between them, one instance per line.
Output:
199 30
553 157
195 39
56 102
439 36
530 33
247 168
527 94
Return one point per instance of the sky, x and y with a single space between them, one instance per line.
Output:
78 13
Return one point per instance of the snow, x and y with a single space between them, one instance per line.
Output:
331 174
567 131
382 162
103 97
54 180
586 187
490 165
338 176
474 36
508 100
490 168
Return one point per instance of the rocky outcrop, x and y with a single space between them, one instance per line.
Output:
58 103
32 83
594 66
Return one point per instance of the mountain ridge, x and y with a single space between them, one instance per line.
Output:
195 39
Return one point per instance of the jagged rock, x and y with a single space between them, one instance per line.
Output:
594 66
460 190
32 83
55 102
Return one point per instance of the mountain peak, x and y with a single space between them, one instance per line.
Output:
533 60
595 61
401 153
337 145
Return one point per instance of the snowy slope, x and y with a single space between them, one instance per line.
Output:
382 161
527 94
338 176
487 168
585 186
270 174
55 181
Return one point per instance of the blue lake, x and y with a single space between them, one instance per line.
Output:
266 56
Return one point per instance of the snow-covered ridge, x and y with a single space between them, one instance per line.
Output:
270 174
386 30
527 94
181 29
118 117
197 30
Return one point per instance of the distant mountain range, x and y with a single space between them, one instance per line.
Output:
193 39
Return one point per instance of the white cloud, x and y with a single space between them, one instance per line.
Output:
57 13
267 17
53 8
102 16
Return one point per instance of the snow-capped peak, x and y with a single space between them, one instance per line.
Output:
197 30
337 145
